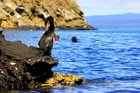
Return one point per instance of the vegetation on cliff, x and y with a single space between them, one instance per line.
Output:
30 14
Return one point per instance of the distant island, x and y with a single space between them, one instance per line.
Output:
118 20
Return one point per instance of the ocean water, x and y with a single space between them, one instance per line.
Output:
107 58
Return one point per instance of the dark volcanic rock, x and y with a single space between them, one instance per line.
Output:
19 66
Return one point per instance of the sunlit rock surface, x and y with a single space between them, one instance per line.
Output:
59 80
30 14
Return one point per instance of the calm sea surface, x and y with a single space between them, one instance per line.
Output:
108 58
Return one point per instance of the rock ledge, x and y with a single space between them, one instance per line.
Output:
21 69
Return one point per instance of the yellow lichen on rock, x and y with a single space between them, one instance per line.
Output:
59 80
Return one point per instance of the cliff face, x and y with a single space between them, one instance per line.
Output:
30 14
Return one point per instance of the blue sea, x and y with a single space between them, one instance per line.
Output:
107 58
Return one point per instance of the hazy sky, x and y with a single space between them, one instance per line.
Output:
104 7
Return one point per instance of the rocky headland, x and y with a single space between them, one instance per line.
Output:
30 14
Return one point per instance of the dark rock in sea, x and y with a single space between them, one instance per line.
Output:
19 66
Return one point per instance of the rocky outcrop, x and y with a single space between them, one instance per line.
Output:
21 68
30 14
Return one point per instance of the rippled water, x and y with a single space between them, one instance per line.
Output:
108 58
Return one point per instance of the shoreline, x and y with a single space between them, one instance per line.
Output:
57 28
